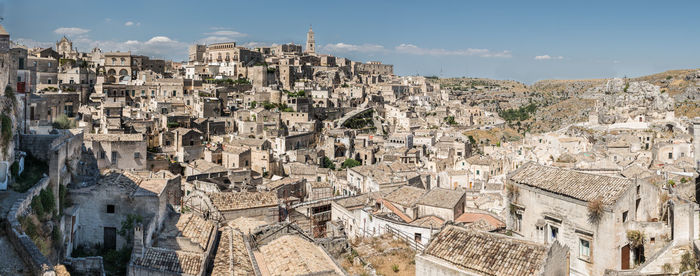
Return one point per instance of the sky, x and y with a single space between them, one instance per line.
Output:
517 40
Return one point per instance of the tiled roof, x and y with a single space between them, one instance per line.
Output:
442 198
232 255
578 185
205 166
396 210
246 224
151 186
293 255
195 228
281 182
406 196
359 200
493 221
171 261
429 221
487 253
235 201
480 160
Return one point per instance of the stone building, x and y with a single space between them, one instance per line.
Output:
550 204
310 42
483 253
184 246
99 210
118 151
117 66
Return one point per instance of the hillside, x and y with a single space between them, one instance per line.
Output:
562 102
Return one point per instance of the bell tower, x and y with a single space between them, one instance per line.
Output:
310 42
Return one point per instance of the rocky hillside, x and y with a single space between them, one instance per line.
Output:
563 102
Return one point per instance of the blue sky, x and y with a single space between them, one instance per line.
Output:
520 40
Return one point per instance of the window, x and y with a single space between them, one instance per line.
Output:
110 209
417 237
477 172
670 155
553 233
137 155
624 216
584 249
518 220
102 155
114 157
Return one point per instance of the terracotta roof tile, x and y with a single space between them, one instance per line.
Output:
487 253
575 184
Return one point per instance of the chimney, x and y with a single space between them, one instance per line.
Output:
138 242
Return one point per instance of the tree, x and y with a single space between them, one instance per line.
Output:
327 163
128 225
63 122
349 163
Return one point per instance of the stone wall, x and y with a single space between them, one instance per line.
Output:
24 246
92 265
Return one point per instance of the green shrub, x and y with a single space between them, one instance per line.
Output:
349 163
56 236
10 94
28 226
128 225
33 171
48 201
116 261
37 206
327 163
521 114
63 122
62 200
395 268
14 169
6 129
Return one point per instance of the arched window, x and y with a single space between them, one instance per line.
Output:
123 72
114 61
122 60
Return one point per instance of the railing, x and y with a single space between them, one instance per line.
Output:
407 238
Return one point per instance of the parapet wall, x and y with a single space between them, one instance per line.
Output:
25 247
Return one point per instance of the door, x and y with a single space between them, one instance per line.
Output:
625 257
110 238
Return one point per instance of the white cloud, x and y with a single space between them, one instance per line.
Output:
344 47
157 46
220 34
228 33
548 57
415 50
70 31
132 23
160 40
